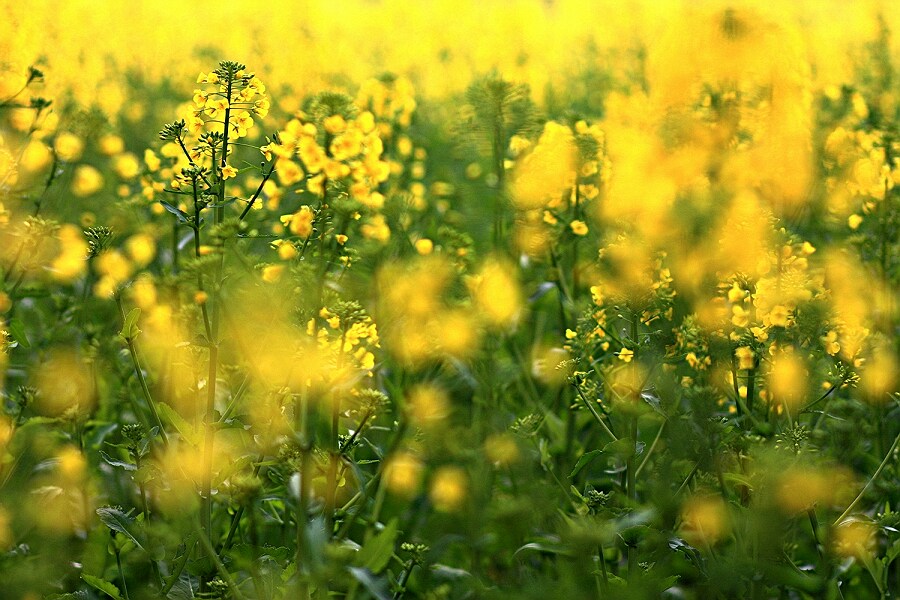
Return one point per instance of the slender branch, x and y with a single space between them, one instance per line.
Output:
258 191
597 416
132 351
223 572
869 483
651 449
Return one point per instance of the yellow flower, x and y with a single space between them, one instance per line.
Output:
272 273
68 146
692 359
740 317
376 229
496 293
228 172
424 246
215 107
448 489
200 97
854 221
736 294
301 222
403 473
111 144
334 124
151 160
745 358
779 316
127 166
241 122
88 180
830 341
579 227
626 355
759 333
141 247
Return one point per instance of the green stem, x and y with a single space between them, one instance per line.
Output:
213 331
404 579
179 566
596 415
121 572
223 572
651 449
132 351
869 483
258 191
630 470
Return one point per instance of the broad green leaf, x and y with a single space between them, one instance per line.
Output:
377 586
102 585
177 421
235 466
129 327
585 459
182 216
121 464
119 522
624 448
17 330
545 548
377 552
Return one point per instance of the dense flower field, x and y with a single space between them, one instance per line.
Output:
391 299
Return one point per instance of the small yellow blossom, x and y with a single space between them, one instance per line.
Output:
779 316
745 358
68 146
424 246
111 144
740 317
759 333
300 223
830 342
272 273
87 181
736 294
579 227
448 489
626 355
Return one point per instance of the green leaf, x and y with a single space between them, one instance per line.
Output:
738 479
121 464
545 548
177 421
377 586
102 585
233 467
586 458
119 522
129 327
624 448
377 552
182 216
17 330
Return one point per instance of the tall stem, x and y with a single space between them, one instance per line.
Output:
630 468
208 445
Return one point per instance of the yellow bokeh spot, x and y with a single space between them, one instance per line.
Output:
449 488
